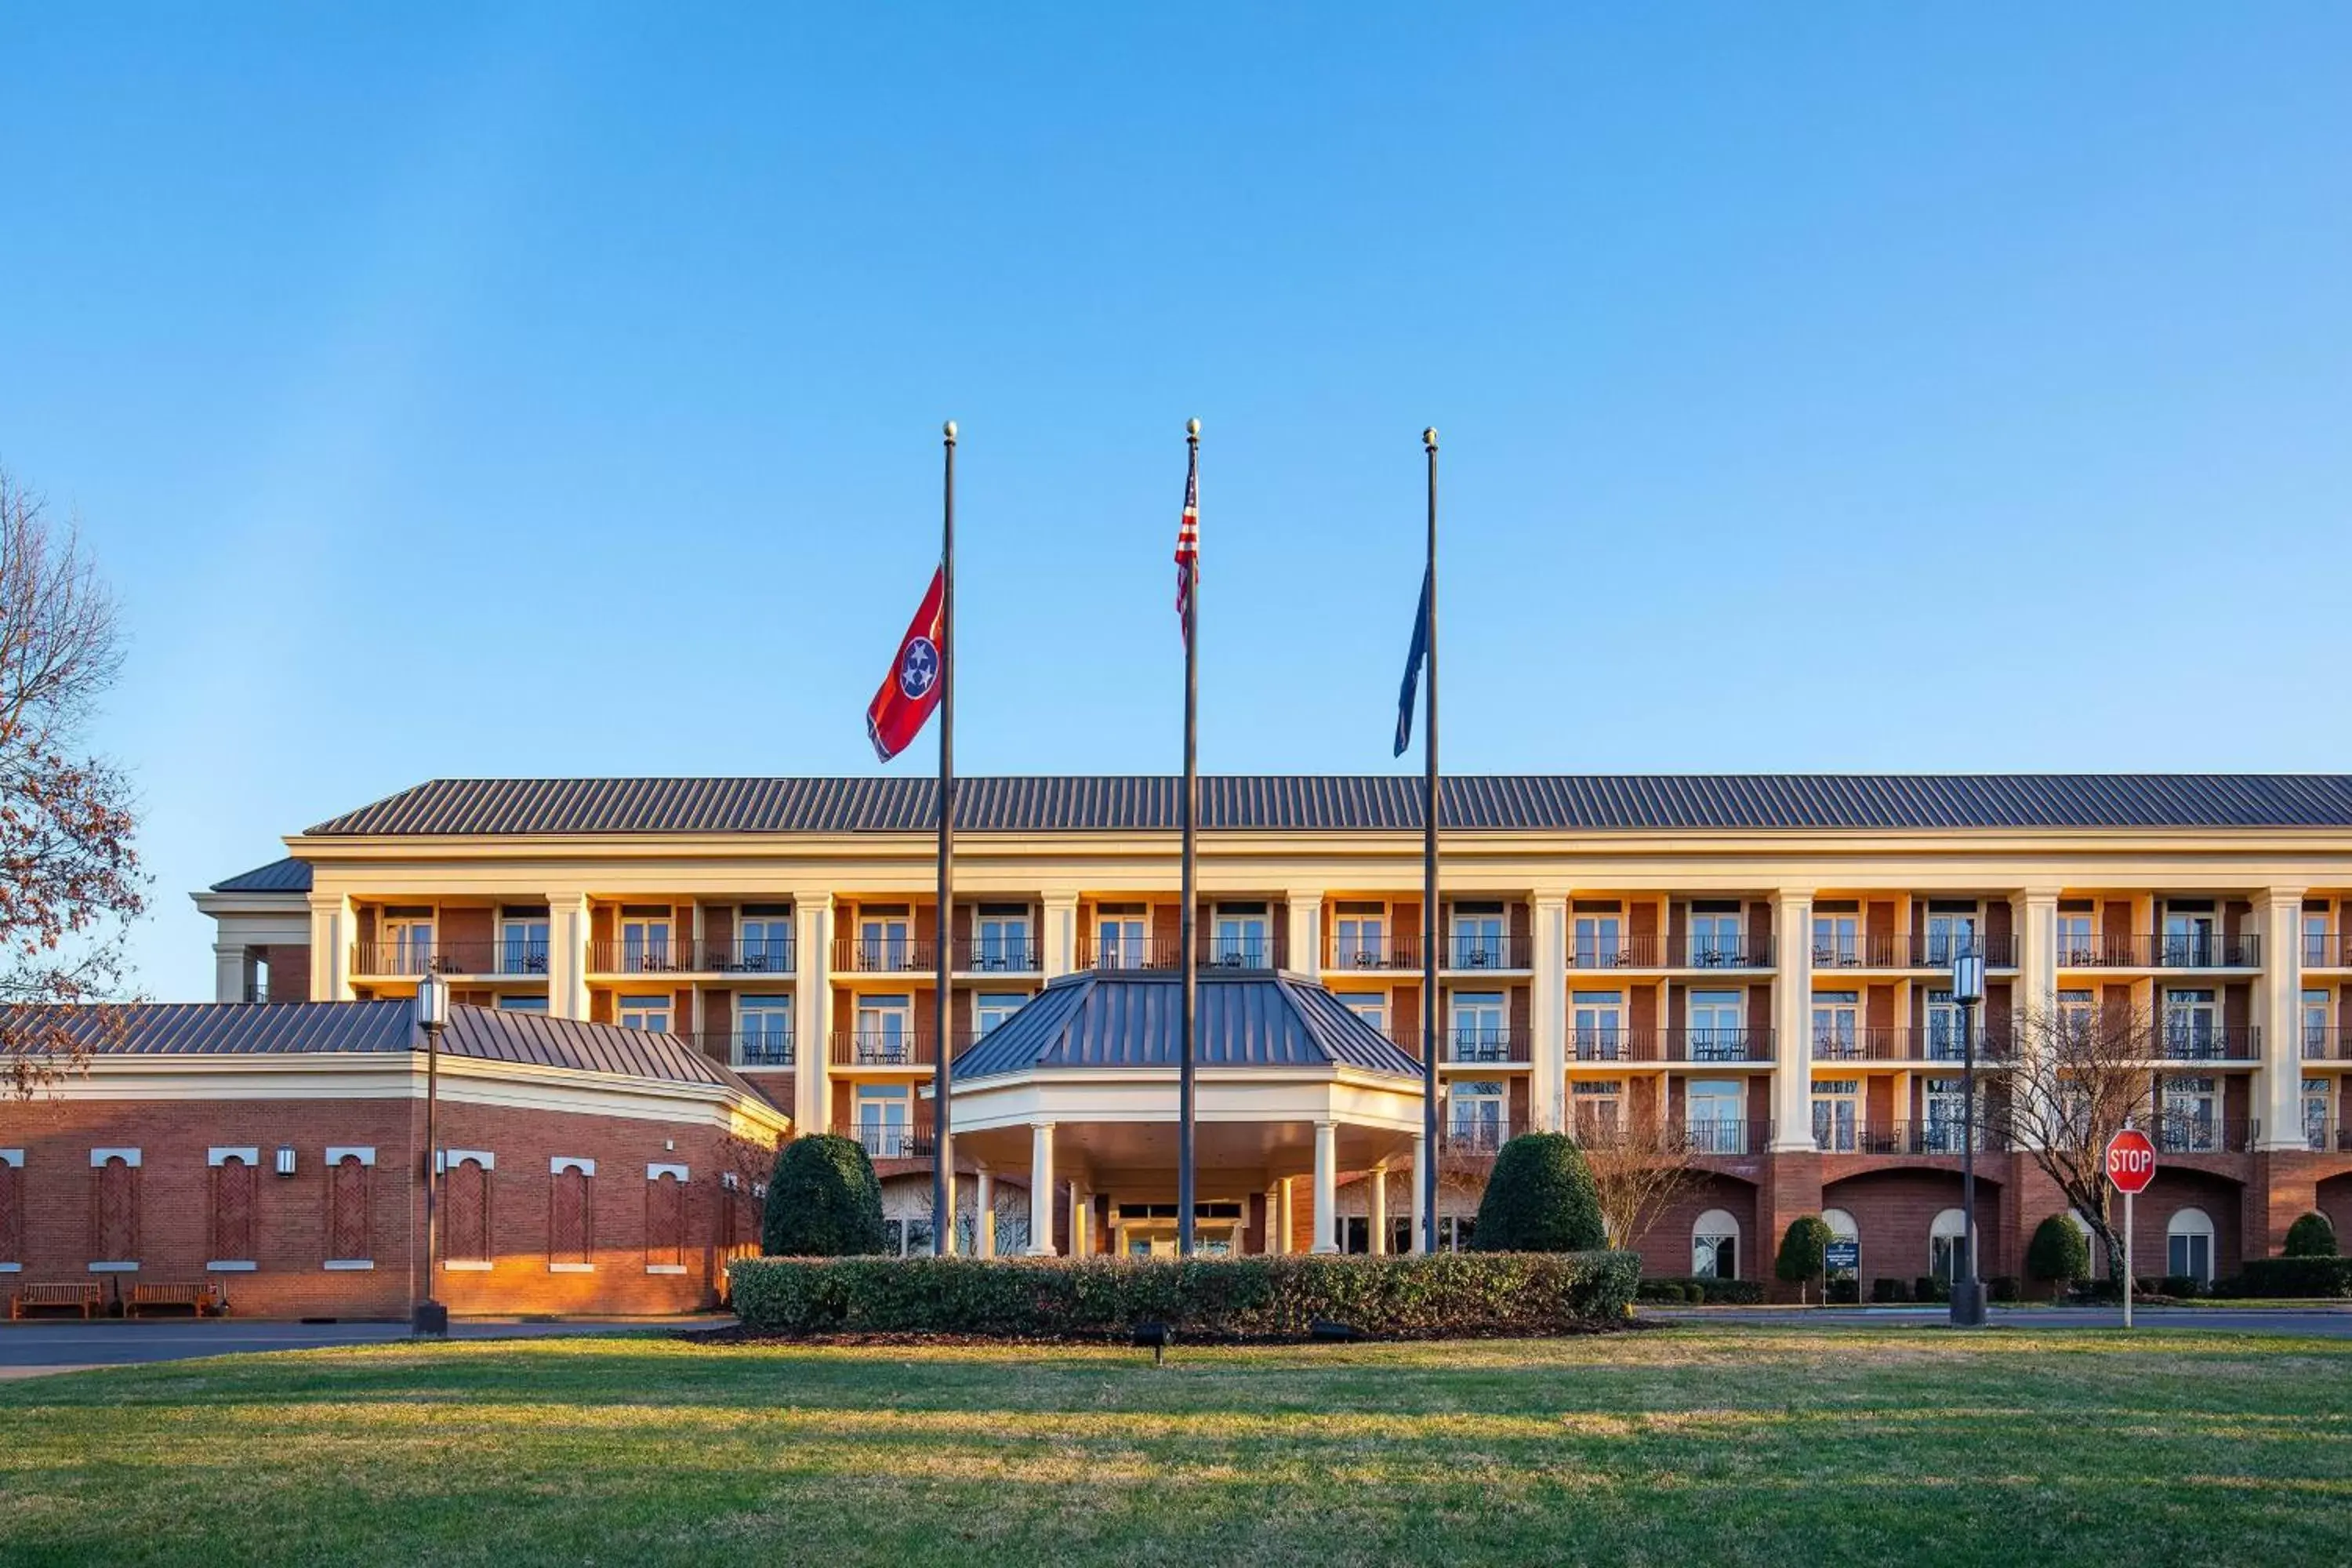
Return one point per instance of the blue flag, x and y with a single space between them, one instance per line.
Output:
1420 651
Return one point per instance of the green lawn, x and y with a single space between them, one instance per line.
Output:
1686 1447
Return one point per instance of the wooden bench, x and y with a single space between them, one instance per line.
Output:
197 1297
82 1293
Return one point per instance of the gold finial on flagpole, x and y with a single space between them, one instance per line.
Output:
1192 428
1429 438
947 430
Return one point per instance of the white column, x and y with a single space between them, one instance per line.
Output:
2037 984
1420 1193
1549 1051
812 1011
2279 1099
1379 1207
1326 1184
1282 1224
1041 1189
1305 909
232 972
1059 938
948 1248
567 954
1792 1022
1272 1221
333 929
983 1220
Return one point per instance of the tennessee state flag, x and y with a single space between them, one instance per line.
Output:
912 688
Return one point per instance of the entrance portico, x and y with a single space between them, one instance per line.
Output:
1078 1089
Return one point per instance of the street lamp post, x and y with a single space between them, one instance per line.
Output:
1967 990
429 1316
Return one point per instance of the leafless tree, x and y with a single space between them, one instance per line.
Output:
69 878
1641 1168
2083 1073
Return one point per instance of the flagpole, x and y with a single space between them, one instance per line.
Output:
1431 963
1187 1013
944 945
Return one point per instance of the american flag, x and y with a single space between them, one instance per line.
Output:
1188 546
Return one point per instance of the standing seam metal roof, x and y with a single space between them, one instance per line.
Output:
1567 802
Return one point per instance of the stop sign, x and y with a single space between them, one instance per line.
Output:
2131 1161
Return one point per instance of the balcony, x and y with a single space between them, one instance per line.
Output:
1367 954
883 956
518 959
1605 953
1476 1046
1480 954
2325 1045
637 956
1701 1136
998 955
1129 952
2148 951
1476 1139
1214 952
881 1143
2323 1136
2179 1041
1222 952
760 955
1932 1137
1936 1043
1704 1042
1723 953
2327 949
754 1048
1917 950
883 1049
2184 1132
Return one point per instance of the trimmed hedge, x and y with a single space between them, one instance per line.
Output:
2311 1236
2058 1254
822 1201
1433 1296
1539 1198
1801 1246
1705 1287
2296 1277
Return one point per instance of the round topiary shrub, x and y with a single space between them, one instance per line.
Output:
822 1201
2311 1236
1807 1238
2058 1254
1541 1198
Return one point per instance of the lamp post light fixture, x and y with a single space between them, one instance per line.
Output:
1967 990
429 1316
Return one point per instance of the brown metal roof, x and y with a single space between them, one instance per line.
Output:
1371 803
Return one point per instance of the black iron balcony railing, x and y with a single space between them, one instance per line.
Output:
883 1142
1996 1041
1706 1135
883 955
1597 952
2185 1133
884 1048
2325 1045
758 955
752 1048
1129 952
1934 1136
1917 950
2176 1041
635 955
1498 950
1698 1043
506 957
2322 1135
1366 952
1222 951
998 955
1725 953
1477 1139
1466 1044
2327 949
2143 951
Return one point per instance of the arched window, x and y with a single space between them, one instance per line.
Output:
115 1223
570 1218
1944 1244
1715 1246
233 1194
665 1219
348 1241
12 1205
2188 1245
465 1209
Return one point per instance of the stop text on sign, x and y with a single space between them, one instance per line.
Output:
2131 1161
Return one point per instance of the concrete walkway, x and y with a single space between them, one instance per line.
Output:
65 1344
2331 1321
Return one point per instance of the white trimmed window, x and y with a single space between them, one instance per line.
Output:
2188 1245
350 1242
1715 1246
571 1215
647 1012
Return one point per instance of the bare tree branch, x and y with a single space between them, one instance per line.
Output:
1640 1169
2084 1073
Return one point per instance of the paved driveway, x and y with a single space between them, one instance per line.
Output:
30 1349
2336 1321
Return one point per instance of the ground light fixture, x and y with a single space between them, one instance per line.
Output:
1967 990
1155 1338
429 1316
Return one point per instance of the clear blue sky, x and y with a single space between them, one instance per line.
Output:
557 390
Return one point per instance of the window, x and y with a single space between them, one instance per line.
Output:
1837 1019
1241 937
1715 936
1121 937
571 1215
2314 1113
647 1012
1372 1006
1476 1121
2188 1245
349 1233
763 1031
114 1240
1360 936
2315 1023
1477 931
886 1030
2316 949
664 1219
2191 1031
1719 1031
911 1237
1945 1253
1715 1115
465 1209
1715 1246
1945 1100
1480 1031
1837 941
2077 945
407 945
1837 1106
2075 1014
1599 1107
12 1210
644 940
523 941
1944 1042
1597 1024
2190 1120
883 1117
233 1177
1951 931
991 1008
1454 1231
764 942
2189 932
510 1004
1004 940
886 938
1600 941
